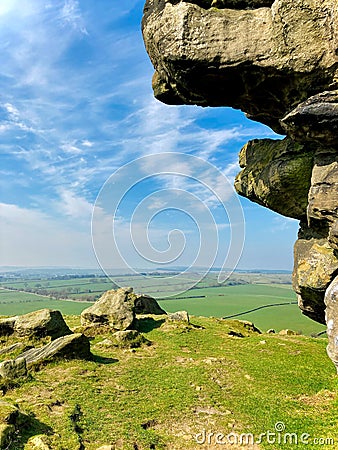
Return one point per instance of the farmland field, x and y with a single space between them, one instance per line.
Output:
14 303
242 293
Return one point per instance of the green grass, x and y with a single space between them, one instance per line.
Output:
225 301
189 380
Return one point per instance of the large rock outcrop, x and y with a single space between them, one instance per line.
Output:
278 62
118 308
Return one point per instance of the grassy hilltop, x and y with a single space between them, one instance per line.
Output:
192 379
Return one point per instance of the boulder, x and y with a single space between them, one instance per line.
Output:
11 369
264 61
73 346
114 308
118 308
42 323
316 119
315 266
179 316
144 304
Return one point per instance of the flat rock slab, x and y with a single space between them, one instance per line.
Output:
74 346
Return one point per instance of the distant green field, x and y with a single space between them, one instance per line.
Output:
225 301
217 302
13 303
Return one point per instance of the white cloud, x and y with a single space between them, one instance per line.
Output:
71 15
33 238
74 206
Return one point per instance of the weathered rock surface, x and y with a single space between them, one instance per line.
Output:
130 339
114 308
39 324
276 174
7 326
277 61
264 61
45 322
179 316
144 304
13 368
118 309
315 266
11 348
316 119
73 346
331 302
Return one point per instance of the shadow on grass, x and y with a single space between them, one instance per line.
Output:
103 360
29 426
147 324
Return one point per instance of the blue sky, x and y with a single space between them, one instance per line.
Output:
75 106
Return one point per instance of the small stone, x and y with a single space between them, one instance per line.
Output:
130 339
262 342
40 442
287 332
271 331
105 343
179 316
106 447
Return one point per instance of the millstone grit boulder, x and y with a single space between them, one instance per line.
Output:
73 346
118 309
42 323
144 304
114 308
